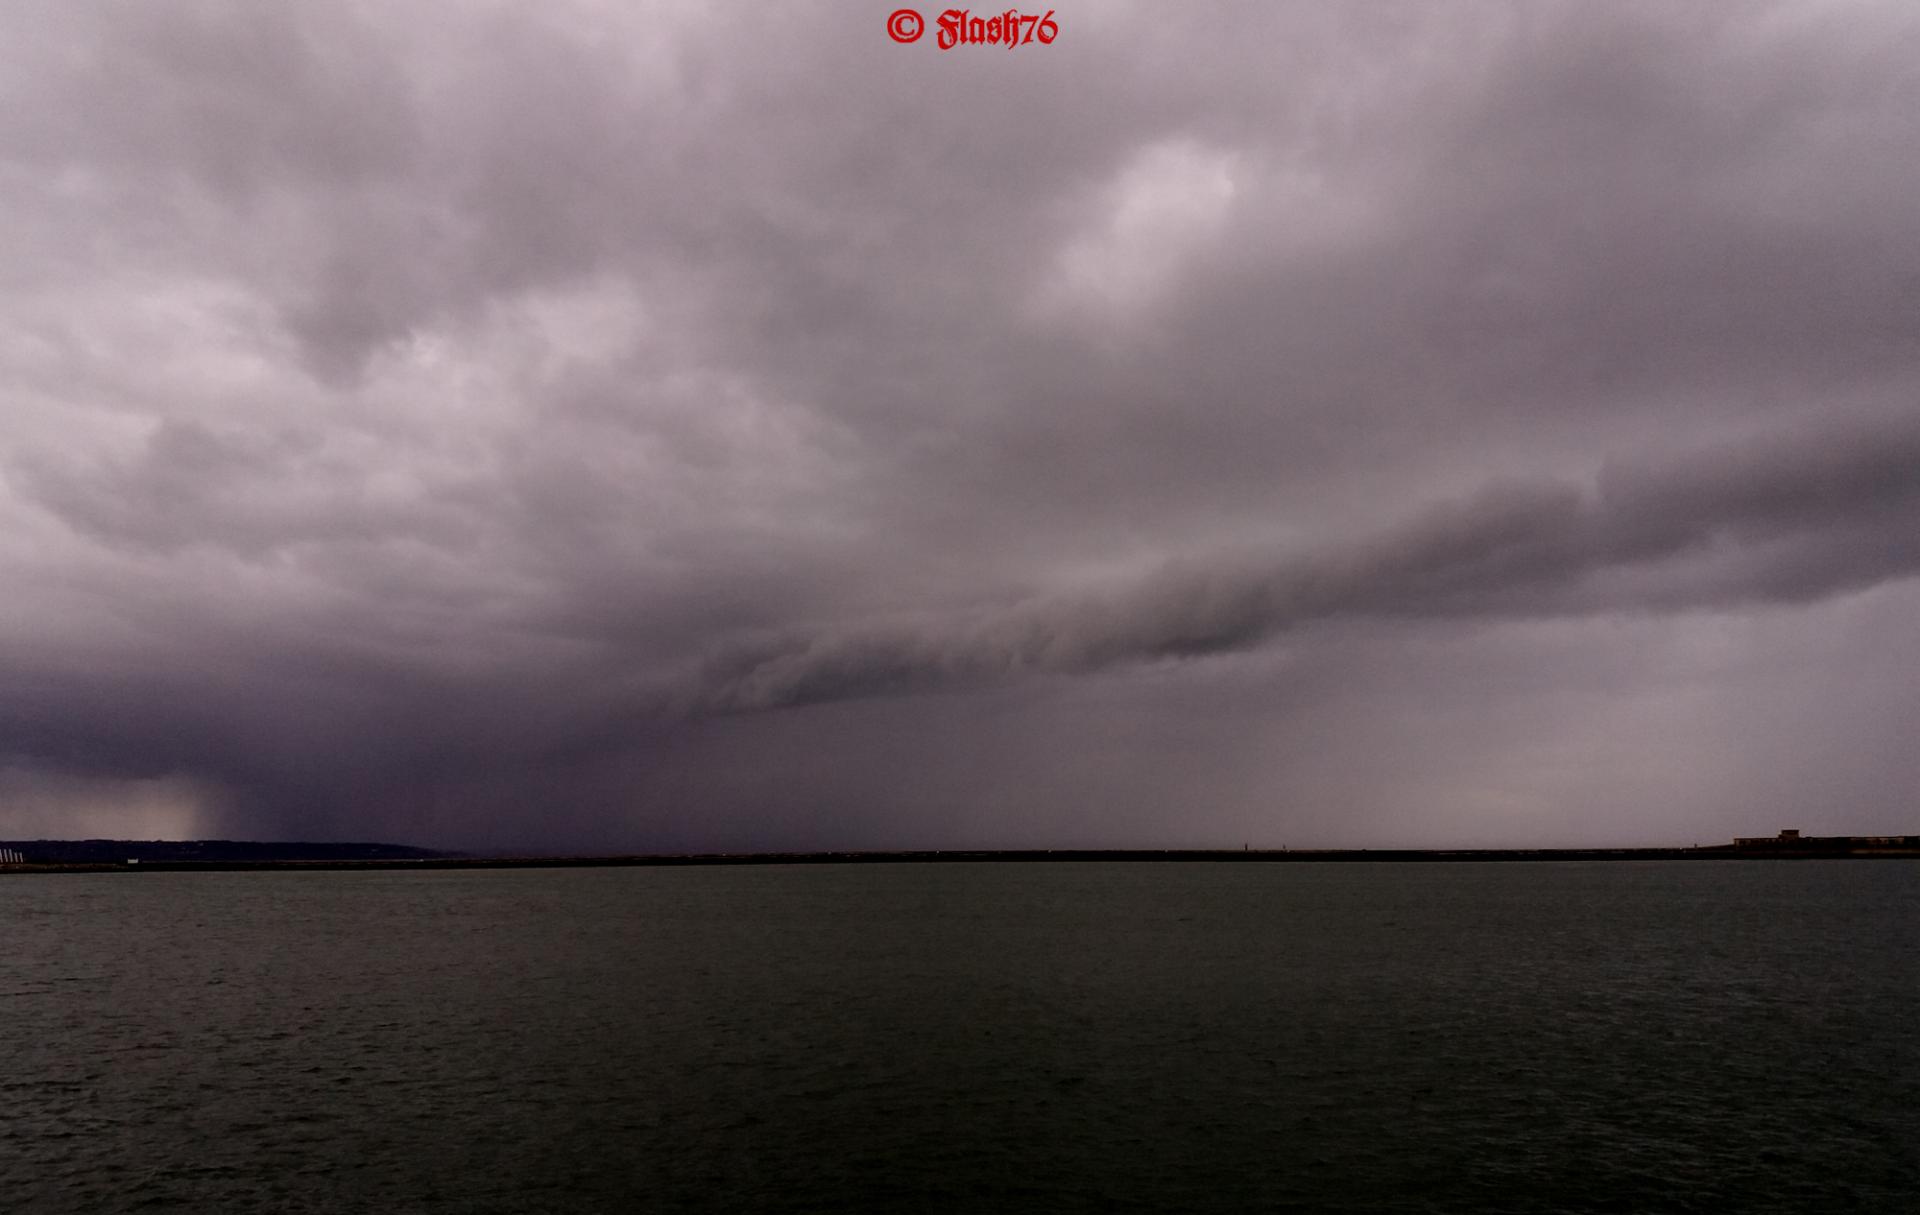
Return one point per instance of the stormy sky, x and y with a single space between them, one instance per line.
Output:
685 426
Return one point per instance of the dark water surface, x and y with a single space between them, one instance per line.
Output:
1740 1036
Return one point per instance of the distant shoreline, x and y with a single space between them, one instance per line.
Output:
1722 852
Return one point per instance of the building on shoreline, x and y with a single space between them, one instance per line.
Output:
1792 838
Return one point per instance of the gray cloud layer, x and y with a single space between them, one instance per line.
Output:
1786 522
461 423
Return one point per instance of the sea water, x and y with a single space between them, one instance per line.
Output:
1645 1036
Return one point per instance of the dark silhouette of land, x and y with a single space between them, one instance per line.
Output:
203 855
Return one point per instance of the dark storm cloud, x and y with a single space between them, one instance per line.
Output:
1788 522
453 421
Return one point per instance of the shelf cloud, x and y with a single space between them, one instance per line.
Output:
585 427
1776 523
